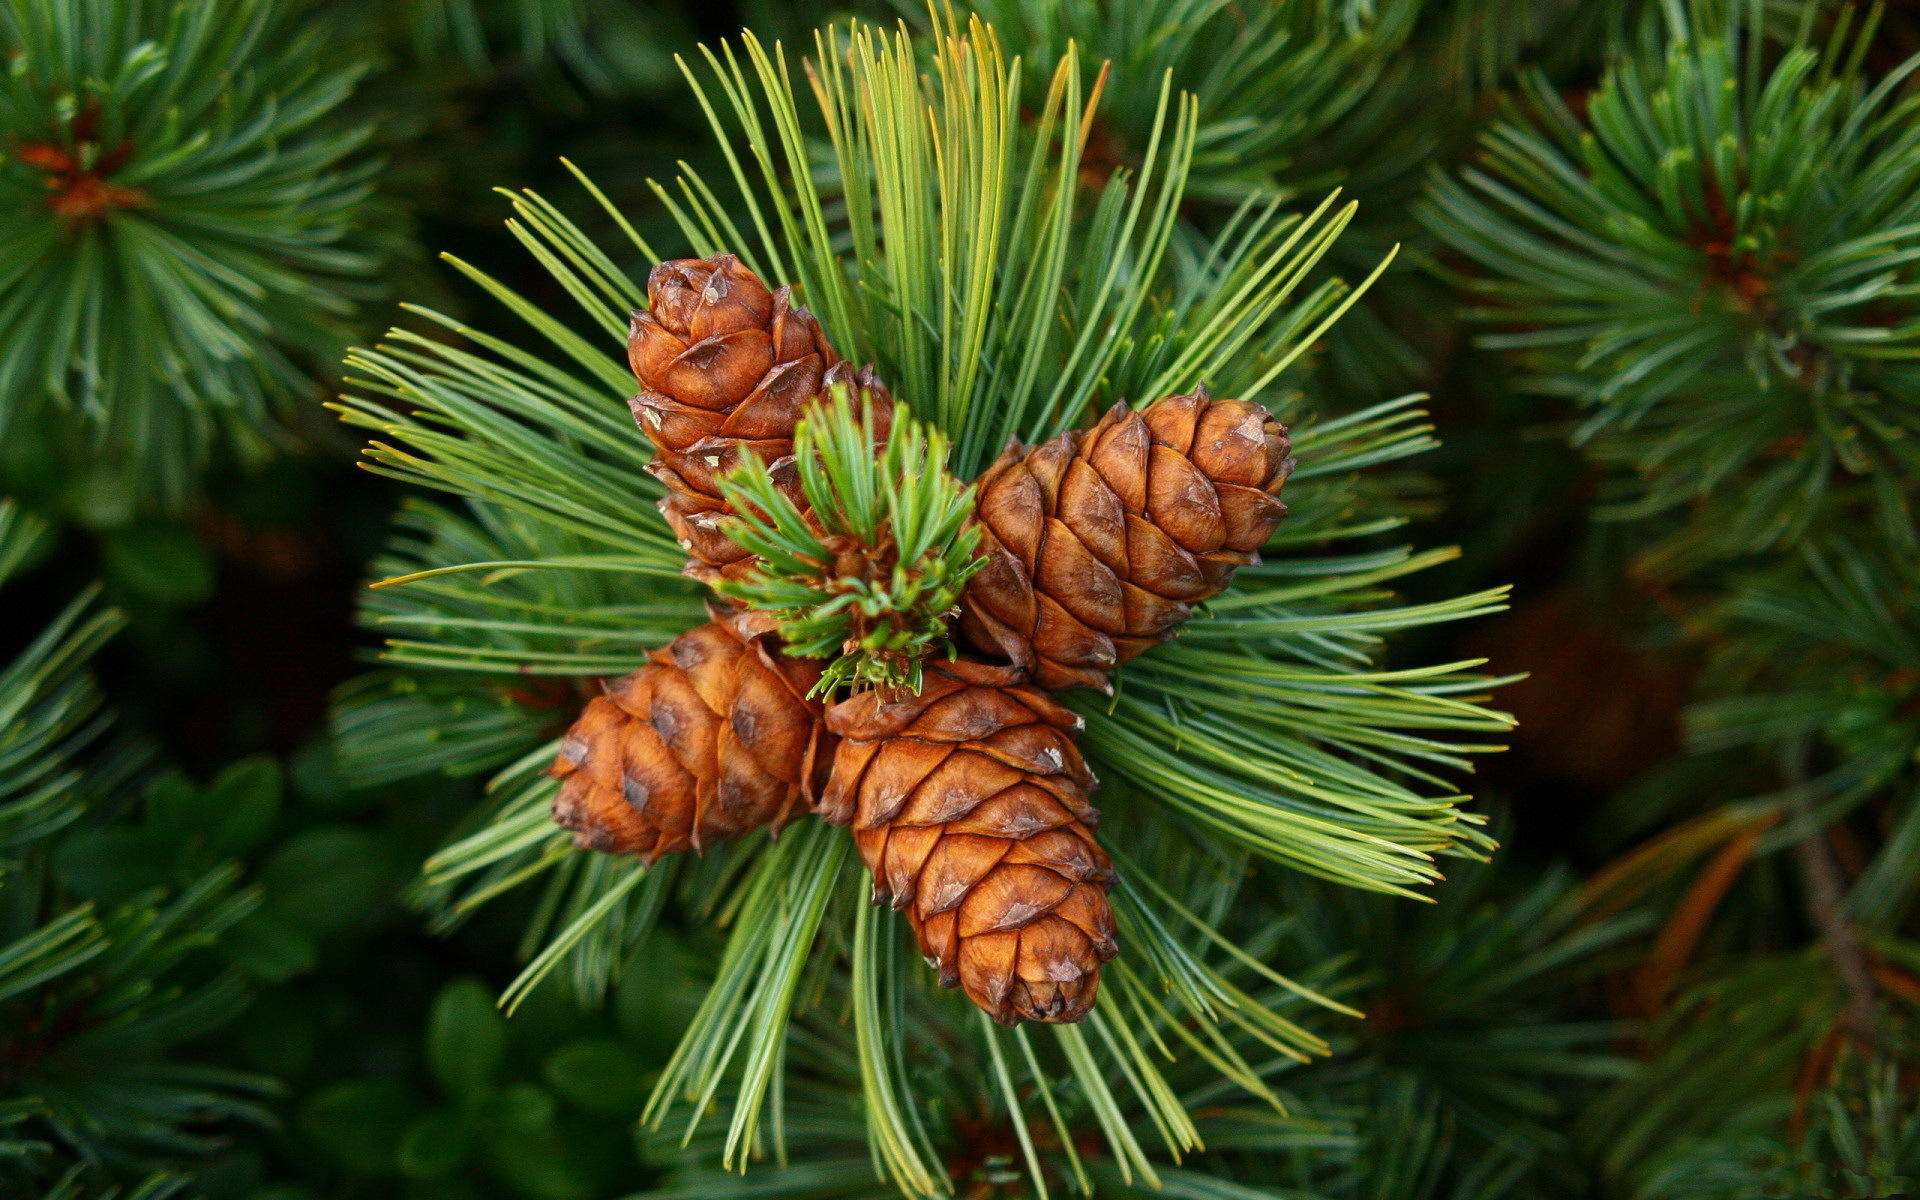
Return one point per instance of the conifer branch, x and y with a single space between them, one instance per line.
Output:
189 228
988 284
1826 905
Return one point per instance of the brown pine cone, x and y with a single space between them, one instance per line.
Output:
725 365
1099 540
712 739
969 805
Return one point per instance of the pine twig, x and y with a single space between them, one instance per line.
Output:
1826 907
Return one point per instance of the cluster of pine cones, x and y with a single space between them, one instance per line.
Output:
969 800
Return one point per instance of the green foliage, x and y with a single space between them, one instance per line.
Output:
49 707
1479 45
73 1186
1459 1083
868 574
1713 254
1482 1034
987 286
1818 657
533 26
1861 1138
1736 1056
1294 98
1692 219
1288 93
607 46
102 976
1717 259
1009 1112
98 998
541 1106
184 242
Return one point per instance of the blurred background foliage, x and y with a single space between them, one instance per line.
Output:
1658 276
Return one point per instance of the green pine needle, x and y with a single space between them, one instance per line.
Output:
870 571
1719 259
187 227
96 991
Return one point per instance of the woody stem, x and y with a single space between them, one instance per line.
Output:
1826 900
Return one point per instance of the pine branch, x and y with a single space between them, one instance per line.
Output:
1424 1100
1716 259
188 206
49 706
98 982
967 258
1826 903
1861 1134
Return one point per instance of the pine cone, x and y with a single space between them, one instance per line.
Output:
712 739
724 366
1099 540
969 805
